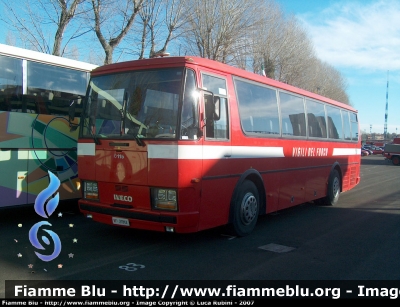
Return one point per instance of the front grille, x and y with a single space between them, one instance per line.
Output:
122 206
130 215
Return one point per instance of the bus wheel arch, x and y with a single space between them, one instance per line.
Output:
247 203
334 187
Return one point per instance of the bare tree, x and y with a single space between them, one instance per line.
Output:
266 40
216 27
146 15
248 34
175 18
329 82
161 23
33 20
64 17
296 54
112 21
283 48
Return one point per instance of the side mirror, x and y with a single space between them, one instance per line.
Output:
213 106
71 111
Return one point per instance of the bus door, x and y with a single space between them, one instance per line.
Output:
217 151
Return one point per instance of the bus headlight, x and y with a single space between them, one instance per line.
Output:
164 199
90 190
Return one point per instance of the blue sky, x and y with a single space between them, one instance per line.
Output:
361 39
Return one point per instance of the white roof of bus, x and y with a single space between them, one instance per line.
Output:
45 58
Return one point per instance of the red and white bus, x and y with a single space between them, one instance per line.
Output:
183 144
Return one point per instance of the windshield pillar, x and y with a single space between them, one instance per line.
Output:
190 109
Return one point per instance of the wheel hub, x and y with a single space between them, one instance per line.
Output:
249 209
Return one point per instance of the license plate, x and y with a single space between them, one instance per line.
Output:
120 221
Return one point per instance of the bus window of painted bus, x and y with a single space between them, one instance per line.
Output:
36 135
11 82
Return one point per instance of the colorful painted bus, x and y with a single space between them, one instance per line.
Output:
184 144
36 90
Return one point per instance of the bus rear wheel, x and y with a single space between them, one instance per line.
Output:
396 160
333 192
245 208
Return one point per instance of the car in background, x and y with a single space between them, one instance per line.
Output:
376 150
364 152
373 150
367 149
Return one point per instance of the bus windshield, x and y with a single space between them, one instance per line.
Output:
132 105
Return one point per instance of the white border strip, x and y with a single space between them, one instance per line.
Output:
40 57
86 149
257 152
196 152
346 151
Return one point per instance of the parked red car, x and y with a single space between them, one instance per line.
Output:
376 150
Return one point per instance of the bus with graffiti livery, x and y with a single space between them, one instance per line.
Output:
184 144
36 90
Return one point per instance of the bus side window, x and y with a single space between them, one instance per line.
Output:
354 126
335 125
293 116
258 108
216 125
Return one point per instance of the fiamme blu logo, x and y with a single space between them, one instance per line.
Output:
45 204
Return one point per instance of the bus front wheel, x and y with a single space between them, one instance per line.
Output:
245 208
396 160
333 192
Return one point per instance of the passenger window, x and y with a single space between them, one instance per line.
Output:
346 125
11 84
335 127
293 116
51 89
258 108
316 119
354 126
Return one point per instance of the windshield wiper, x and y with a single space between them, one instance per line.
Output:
96 140
123 111
139 141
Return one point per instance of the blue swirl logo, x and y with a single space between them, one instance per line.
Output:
45 210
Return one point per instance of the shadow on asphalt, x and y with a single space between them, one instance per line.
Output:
375 160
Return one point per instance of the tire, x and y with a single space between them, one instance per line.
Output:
245 209
333 192
396 160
